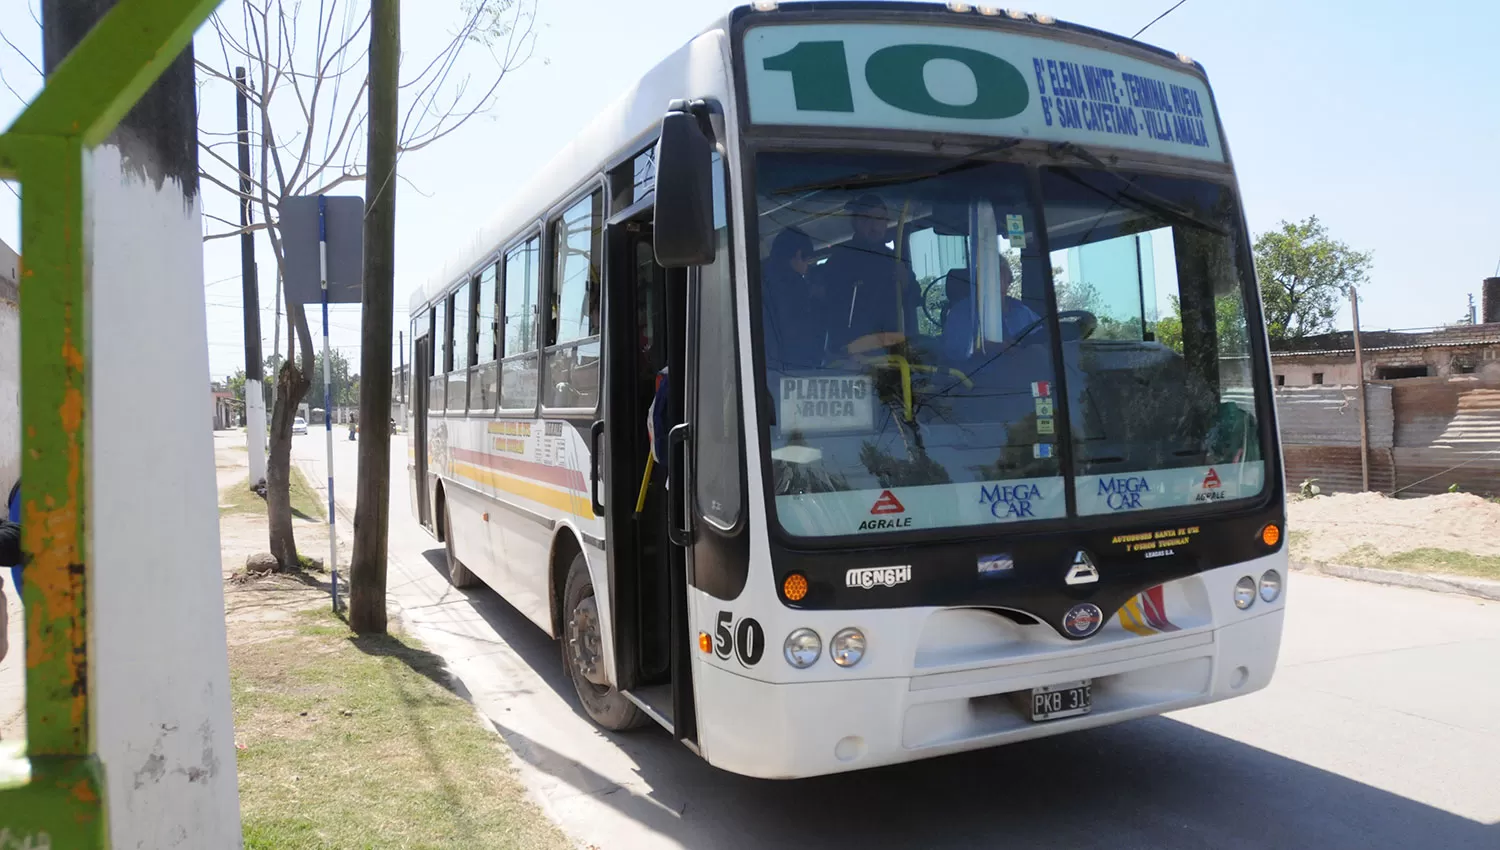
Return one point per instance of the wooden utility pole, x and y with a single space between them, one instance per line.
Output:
1359 366
255 400
367 567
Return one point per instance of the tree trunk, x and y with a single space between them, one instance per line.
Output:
367 568
291 385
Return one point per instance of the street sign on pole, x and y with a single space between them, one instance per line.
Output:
322 240
304 218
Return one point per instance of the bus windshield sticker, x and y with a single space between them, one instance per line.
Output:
1162 488
993 565
1016 227
925 506
975 80
825 404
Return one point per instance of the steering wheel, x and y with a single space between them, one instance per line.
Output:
926 299
1087 322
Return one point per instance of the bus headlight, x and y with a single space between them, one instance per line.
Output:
1270 585
802 648
1244 593
847 647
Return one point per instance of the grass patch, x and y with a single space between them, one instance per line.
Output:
353 742
306 502
1426 560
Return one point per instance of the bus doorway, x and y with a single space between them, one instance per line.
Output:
647 572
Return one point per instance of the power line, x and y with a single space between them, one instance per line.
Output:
1158 17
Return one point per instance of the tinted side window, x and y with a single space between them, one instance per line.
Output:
518 370
484 317
483 386
463 345
573 360
437 385
717 437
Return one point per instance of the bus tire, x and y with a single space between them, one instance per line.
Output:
582 650
458 574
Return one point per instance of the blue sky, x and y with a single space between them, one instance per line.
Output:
1378 117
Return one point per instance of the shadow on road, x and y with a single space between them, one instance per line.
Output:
1152 783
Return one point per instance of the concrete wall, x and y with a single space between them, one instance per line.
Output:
1298 372
1442 361
10 370
159 671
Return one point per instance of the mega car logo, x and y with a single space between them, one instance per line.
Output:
1123 492
868 577
1010 501
1082 620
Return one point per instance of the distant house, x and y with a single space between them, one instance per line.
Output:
1432 406
226 408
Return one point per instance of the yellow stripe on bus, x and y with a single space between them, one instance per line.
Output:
532 490
1131 619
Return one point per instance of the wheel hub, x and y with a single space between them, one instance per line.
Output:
585 644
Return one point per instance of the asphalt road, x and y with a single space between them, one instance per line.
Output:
1381 729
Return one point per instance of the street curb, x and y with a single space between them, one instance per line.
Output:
1437 583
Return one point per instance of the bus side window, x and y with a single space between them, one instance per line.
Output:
482 376
518 368
461 339
573 359
438 380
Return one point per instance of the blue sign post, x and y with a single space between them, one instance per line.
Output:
323 246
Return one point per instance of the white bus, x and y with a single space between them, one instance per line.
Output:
969 433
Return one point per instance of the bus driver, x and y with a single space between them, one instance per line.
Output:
872 292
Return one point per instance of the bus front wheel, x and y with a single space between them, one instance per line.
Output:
583 654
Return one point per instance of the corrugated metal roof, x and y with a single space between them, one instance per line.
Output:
1367 350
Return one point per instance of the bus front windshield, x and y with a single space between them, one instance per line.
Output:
911 315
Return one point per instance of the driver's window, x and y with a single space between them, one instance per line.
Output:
933 255
1115 280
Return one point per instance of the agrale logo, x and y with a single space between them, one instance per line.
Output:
868 577
886 503
1212 488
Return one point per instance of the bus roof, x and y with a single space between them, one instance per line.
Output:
625 122
636 112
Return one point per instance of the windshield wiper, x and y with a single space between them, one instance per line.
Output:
866 181
1145 199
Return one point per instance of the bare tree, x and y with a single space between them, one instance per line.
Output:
309 141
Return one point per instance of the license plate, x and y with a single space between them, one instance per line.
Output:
1065 700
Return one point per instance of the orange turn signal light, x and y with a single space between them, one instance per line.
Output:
1270 535
794 588
705 642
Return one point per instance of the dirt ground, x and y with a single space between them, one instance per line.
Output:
1323 528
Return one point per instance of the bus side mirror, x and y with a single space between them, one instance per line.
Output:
684 216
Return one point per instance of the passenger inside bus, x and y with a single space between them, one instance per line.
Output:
871 289
959 324
795 306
